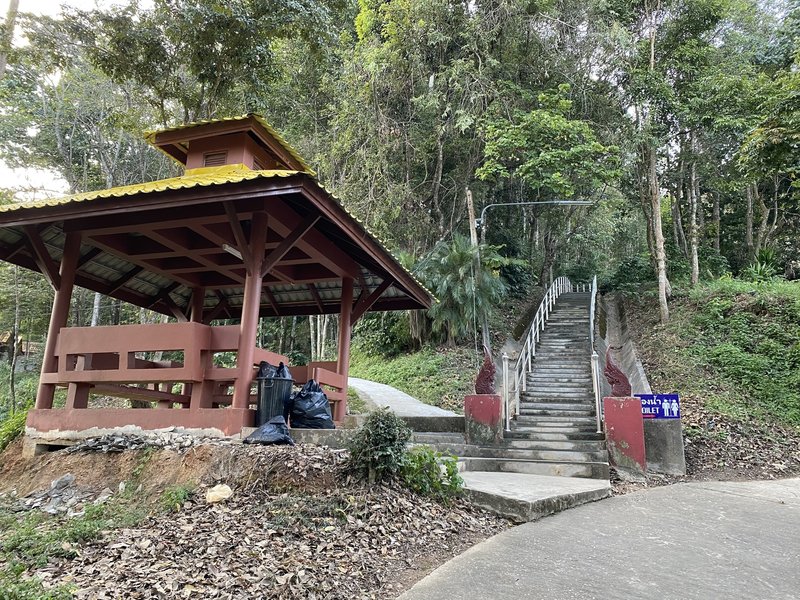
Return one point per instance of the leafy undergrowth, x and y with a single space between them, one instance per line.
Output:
298 525
437 376
732 350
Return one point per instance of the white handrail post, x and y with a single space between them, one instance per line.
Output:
596 383
506 391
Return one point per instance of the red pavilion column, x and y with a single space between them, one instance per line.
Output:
251 305
345 329
58 316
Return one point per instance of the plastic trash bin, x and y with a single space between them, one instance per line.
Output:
273 394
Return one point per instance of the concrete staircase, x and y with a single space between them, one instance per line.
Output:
555 432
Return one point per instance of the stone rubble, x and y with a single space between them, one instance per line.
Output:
63 497
172 440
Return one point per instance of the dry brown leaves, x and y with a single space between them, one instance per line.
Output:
296 527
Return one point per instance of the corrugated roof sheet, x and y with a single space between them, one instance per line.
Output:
193 178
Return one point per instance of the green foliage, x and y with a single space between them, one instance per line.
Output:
551 153
12 427
431 473
13 587
437 376
467 283
356 405
387 334
378 447
529 313
748 336
630 274
175 496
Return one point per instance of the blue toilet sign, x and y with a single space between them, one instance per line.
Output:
660 406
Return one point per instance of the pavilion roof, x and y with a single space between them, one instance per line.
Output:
151 244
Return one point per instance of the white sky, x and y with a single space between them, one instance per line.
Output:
36 184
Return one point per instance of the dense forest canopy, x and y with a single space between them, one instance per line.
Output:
678 119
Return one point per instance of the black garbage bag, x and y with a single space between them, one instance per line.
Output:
310 408
267 371
273 431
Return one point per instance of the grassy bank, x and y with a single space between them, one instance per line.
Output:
739 344
732 350
437 376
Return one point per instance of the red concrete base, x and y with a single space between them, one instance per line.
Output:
625 433
227 420
483 414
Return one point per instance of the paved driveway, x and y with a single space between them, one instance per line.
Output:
720 540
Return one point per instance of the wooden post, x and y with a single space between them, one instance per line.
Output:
251 303
58 316
198 300
345 328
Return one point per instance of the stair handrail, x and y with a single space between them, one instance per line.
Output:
598 409
528 351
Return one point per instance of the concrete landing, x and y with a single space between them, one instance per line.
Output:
693 541
523 497
400 403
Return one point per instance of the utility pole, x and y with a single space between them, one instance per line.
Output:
473 236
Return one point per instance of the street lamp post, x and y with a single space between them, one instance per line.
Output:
481 223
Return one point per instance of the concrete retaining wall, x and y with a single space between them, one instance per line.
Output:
663 438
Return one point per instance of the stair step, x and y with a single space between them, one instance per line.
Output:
551 434
557 386
546 412
565 406
558 444
503 452
589 470
560 423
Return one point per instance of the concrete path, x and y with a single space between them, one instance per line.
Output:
525 497
695 541
399 402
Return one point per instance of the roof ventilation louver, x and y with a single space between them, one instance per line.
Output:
215 159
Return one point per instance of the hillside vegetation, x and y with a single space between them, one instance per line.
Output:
732 350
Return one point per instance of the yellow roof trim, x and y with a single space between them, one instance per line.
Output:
150 136
204 176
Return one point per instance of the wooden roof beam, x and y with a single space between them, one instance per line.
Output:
364 305
220 307
163 293
121 281
47 266
315 294
238 233
289 242
89 256
271 297
314 243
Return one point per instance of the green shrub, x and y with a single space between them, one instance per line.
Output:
431 473
12 587
378 447
12 427
387 334
629 274
175 496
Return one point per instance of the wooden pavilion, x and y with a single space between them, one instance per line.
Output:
246 232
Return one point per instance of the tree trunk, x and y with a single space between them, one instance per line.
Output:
12 377
677 215
658 233
748 224
8 35
763 223
717 222
292 334
693 201
96 309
